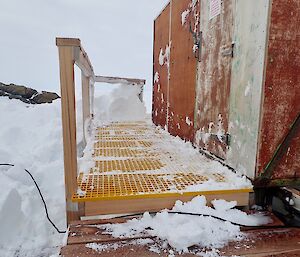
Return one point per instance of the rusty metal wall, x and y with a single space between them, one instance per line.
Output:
183 65
281 91
249 37
214 72
160 68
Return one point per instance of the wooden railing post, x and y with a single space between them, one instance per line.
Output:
92 98
86 112
66 63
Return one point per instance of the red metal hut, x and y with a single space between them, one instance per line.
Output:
226 76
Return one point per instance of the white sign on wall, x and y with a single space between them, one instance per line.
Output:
214 8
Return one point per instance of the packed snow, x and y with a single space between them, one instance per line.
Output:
31 138
184 231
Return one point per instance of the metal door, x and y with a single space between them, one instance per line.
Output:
161 67
183 66
214 71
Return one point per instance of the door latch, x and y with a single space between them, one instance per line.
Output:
197 38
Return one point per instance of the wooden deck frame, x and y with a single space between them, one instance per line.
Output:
71 52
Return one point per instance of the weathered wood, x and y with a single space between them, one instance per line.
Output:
68 41
83 62
66 63
118 80
86 113
155 204
257 242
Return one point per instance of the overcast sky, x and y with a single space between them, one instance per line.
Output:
116 34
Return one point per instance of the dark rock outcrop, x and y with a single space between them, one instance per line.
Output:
45 97
27 94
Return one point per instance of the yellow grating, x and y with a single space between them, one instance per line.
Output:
130 162
123 144
116 138
128 165
122 152
97 186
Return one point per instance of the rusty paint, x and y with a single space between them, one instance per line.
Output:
214 71
185 15
281 90
160 72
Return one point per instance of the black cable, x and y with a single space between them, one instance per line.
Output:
206 215
40 193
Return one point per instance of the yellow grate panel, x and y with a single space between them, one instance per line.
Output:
122 152
114 144
116 138
128 165
97 186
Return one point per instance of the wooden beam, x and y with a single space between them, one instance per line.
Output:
117 80
66 63
86 113
68 41
83 62
154 204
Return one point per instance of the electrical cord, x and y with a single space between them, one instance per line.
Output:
207 215
40 193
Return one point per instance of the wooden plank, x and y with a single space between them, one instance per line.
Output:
66 63
68 41
258 242
86 113
266 242
154 204
118 80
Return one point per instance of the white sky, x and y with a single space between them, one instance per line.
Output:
116 34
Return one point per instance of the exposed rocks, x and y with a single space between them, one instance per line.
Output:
26 94
45 97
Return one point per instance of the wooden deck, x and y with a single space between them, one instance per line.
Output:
139 167
279 242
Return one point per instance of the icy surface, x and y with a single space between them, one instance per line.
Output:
183 231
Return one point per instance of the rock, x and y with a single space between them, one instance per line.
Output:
26 94
2 93
45 97
13 89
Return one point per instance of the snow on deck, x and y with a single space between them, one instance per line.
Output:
138 159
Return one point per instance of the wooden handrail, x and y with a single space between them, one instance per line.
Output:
71 52
117 80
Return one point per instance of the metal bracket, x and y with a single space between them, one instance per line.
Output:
228 51
224 139
197 38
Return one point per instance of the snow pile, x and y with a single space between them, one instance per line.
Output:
122 104
184 231
31 138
